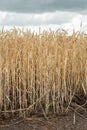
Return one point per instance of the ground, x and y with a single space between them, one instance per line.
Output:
70 121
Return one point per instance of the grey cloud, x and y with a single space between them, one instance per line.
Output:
41 6
20 19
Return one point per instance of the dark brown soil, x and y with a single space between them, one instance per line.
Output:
70 121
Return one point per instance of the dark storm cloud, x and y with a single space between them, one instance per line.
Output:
42 6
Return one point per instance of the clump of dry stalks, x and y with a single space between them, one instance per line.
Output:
41 72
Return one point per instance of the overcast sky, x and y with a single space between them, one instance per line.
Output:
67 14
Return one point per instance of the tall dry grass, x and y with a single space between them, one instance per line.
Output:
41 72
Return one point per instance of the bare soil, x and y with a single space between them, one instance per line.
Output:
70 121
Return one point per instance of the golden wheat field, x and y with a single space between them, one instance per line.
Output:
41 72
